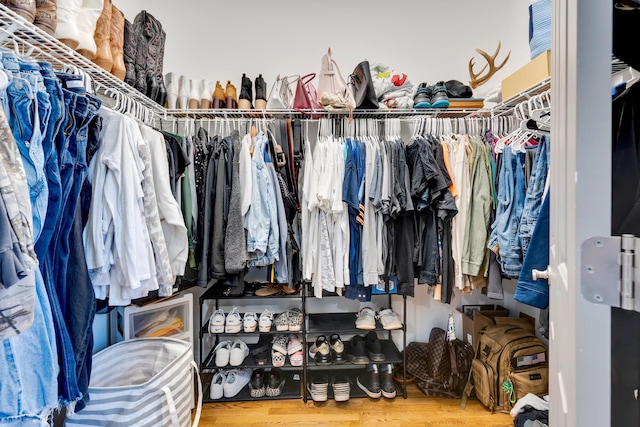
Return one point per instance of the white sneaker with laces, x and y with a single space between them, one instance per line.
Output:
237 379
366 319
239 351
222 352
216 390
216 322
265 321
250 322
389 319
234 322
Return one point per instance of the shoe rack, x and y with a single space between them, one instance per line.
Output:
293 385
344 324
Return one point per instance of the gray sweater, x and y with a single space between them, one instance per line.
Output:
235 243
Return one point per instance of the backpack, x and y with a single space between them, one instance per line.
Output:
510 362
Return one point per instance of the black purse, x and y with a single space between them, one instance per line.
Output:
362 86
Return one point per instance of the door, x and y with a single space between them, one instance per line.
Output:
579 331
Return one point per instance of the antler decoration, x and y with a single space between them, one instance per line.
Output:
476 79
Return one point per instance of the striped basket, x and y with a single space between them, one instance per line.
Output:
146 382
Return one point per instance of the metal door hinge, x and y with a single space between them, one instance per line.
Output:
611 272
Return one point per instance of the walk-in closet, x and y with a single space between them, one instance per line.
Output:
318 213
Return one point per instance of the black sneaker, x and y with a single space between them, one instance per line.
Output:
439 99
323 351
276 383
388 385
374 347
256 385
370 382
337 349
341 388
422 98
358 351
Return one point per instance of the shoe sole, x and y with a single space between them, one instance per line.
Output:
341 398
366 327
295 328
325 362
440 104
282 328
232 329
388 395
392 327
360 360
249 330
257 393
265 328
369 393
422 105
377 357
216 329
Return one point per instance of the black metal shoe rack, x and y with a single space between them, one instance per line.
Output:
313 325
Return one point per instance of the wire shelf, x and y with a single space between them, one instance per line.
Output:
28 37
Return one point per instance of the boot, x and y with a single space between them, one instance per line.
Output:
87 19
219 97
183 93
162 92
205 94
67 25
230 96
172 90
142 51
130 52
102 38
116 41
46 16
24 8
261 93
194 96
246 94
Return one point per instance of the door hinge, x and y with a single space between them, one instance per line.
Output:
611 272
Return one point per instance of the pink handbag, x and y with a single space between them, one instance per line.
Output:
334 94
305 99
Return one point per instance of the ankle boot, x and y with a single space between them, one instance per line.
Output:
24 8
87 19
129 52
261 93
116 42
246 94
67 25
102 38
194 96
183 93
46 16
205 94
230 96
172 90
219 100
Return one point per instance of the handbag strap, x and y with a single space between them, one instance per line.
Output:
172 406
307 78
196 418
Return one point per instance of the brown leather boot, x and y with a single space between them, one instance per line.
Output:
102 37
46 15
24 8
231 97
219 97
117 43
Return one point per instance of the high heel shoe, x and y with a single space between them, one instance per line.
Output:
194 96
183 93
231 97
219 97
246 93
261 93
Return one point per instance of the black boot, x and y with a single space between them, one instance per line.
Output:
130 48
261 93
162 90
246 94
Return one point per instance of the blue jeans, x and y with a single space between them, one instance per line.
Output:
504 239
533 199
529 291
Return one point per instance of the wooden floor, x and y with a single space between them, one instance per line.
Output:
416 410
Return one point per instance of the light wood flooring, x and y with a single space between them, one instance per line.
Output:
416 410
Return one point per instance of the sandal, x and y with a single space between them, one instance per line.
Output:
278 359
296 358
267 291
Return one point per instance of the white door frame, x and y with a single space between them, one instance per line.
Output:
580 336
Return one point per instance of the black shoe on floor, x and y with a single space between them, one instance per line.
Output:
358 351
257 386
388 386
323 351
370 382
337 349
439 99
374 347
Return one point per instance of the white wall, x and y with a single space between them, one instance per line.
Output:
429 40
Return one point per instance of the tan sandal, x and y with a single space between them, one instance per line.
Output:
267 291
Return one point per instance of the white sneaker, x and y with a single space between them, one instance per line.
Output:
266 319
234 322
389 319
222 352
216 390
216 322
250 322
239 351
366 319
237 379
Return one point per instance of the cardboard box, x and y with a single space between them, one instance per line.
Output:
477 317
533 72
